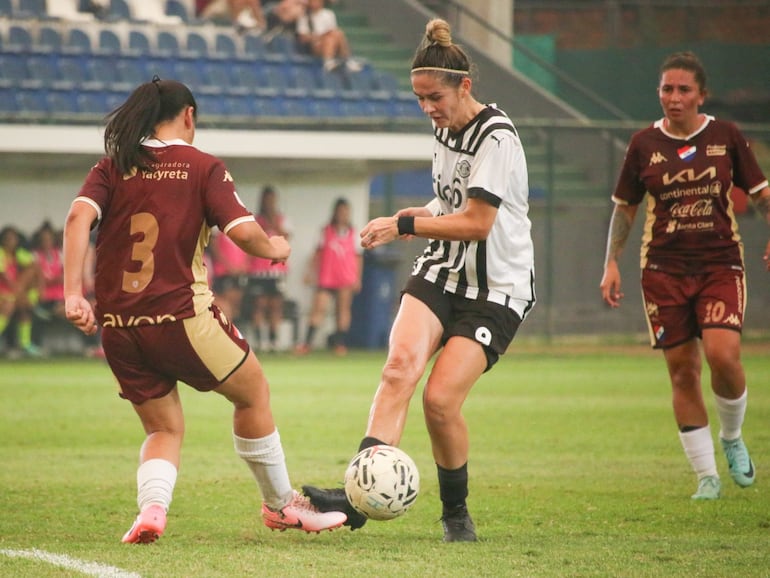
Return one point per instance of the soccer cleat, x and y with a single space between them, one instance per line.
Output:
300 514
458 526
335 500
708 488
739 462
148 526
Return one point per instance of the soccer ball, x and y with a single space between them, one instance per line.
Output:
382 482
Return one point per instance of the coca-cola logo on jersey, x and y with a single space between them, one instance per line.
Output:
700 208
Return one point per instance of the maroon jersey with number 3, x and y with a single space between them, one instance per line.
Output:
690 225
153 228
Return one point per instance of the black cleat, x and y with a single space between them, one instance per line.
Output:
335 500
458 526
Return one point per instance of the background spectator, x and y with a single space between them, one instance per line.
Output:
317 31
17 273
336 271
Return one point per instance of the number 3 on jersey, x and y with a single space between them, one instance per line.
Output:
146 225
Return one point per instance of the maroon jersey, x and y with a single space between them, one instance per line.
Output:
153 227
690 225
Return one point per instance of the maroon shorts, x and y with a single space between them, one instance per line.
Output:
679 307
148 360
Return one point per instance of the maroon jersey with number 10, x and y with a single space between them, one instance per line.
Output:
690 225
153 228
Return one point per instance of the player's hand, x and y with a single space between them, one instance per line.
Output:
78 311
610 285
379 231
281 249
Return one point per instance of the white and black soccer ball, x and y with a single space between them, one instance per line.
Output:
382 482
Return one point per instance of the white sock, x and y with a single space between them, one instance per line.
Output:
265 458
699 449
731 413
155 480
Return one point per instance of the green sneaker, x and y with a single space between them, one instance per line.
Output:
741 466
708 488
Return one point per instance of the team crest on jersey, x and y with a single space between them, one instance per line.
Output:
687 152
660 333
657 157
463 168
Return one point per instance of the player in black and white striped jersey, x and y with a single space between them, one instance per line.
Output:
470 289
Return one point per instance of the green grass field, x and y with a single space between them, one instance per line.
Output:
576 470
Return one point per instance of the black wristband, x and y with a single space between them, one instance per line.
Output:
406 226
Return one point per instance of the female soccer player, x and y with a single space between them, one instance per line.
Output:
693 280
471 288
154 198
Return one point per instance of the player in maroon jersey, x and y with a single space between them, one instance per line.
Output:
155 198
693 279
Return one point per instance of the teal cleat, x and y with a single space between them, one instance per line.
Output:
708 488
741 466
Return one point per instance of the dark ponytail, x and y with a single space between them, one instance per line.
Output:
135 120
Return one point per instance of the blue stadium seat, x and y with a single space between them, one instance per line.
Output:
274 76
42 69
30 9
49 39
239 105
283 47
190 72
8 100
303 76
102 70
32 102
254 46
167 43
225 46
165 68
19 39
132 70
327 107
92 102
217 73
267 106
196 44
78 42
139 42
119 10
6 8
14 69
385 81
72 68
246 74
297 107
176 8
109 42
63 102
210 105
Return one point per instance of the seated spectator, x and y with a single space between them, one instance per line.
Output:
17 273
317 31
283 16
267 281
243 14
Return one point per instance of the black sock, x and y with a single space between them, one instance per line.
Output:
453 486
310 334
368 442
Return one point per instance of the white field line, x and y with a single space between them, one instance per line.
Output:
87 568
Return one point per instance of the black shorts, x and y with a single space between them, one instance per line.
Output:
490 324
266 286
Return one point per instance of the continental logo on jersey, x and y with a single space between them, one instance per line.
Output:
657 158
716 150
116 320
227 178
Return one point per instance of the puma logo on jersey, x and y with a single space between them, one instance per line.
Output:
657 158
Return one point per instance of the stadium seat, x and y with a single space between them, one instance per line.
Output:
19 39
254 46
167 43
42 69
102 70
191 73
72 68
217 73
132 70
267 106
62 102
14 69
6 8
109 42
49 39
210 106
246 74
119 10
179 9
385 81
165 68
8 101
78 41
303 76
139 42
239 105
196 45
30 9
225 46
273 76
32 102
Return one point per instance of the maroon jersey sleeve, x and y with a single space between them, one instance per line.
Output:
153 229
747 173
630 189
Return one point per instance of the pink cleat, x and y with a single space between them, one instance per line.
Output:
148 526
300 514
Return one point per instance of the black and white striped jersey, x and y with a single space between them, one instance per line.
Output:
486 161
